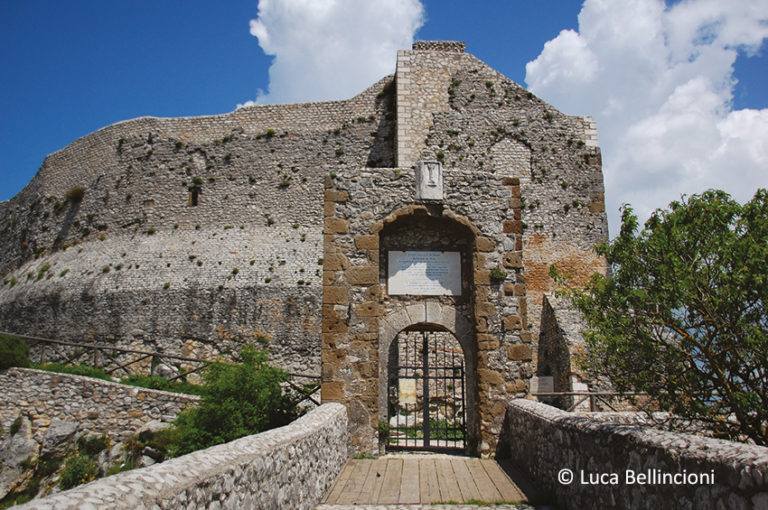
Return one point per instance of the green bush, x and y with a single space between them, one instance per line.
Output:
78 470
15 426
85 370
76 194
155 382
14 352
238 400
92 445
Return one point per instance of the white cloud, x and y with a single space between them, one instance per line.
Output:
660 82
329 49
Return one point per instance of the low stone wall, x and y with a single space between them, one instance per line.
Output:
608 461
288 467
99 407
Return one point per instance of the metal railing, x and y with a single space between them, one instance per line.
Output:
113 359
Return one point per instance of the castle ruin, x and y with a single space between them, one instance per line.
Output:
396 244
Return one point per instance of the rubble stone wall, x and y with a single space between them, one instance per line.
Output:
287 467
608 458
95 406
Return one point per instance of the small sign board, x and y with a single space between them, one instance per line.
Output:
407 391
542 384
424 273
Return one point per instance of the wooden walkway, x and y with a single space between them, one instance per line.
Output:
423 479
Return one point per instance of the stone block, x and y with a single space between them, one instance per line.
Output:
335 262
516 386
519 352
332 391
482 277
486 342
487 376
513 227
484 309
513 259
485 244
373 292
362 275
515 203
434 311
417 313
512 322
519 289
367 309
329 277
334 325
329 340
336 196
335 294
510 181
336 226
448 317
367 242
329 209
596 207
376 227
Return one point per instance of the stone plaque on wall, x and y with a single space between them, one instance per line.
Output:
424 273
429 180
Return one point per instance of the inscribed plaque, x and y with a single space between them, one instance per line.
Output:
424 273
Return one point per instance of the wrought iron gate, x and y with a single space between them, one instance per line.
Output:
426 392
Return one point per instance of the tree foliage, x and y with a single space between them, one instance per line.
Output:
682 315
237 400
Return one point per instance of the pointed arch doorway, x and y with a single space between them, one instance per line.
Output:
426 391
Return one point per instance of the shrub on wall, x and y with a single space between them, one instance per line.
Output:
79 469
237 400
76 194
14 352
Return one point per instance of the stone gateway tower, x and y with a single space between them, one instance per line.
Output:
397 243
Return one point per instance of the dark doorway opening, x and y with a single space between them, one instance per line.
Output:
426 391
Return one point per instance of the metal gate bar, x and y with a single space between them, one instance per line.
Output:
426 392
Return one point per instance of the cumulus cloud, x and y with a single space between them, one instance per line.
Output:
660 81
328 49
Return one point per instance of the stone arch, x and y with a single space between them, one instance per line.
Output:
434 314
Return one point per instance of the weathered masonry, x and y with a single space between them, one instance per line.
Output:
397 243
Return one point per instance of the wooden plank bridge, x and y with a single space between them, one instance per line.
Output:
425 480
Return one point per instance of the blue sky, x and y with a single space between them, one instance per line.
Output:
679 91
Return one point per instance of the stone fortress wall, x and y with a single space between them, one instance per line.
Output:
297 208
133 263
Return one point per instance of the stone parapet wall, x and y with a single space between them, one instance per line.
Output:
288 467
98 407
543 440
